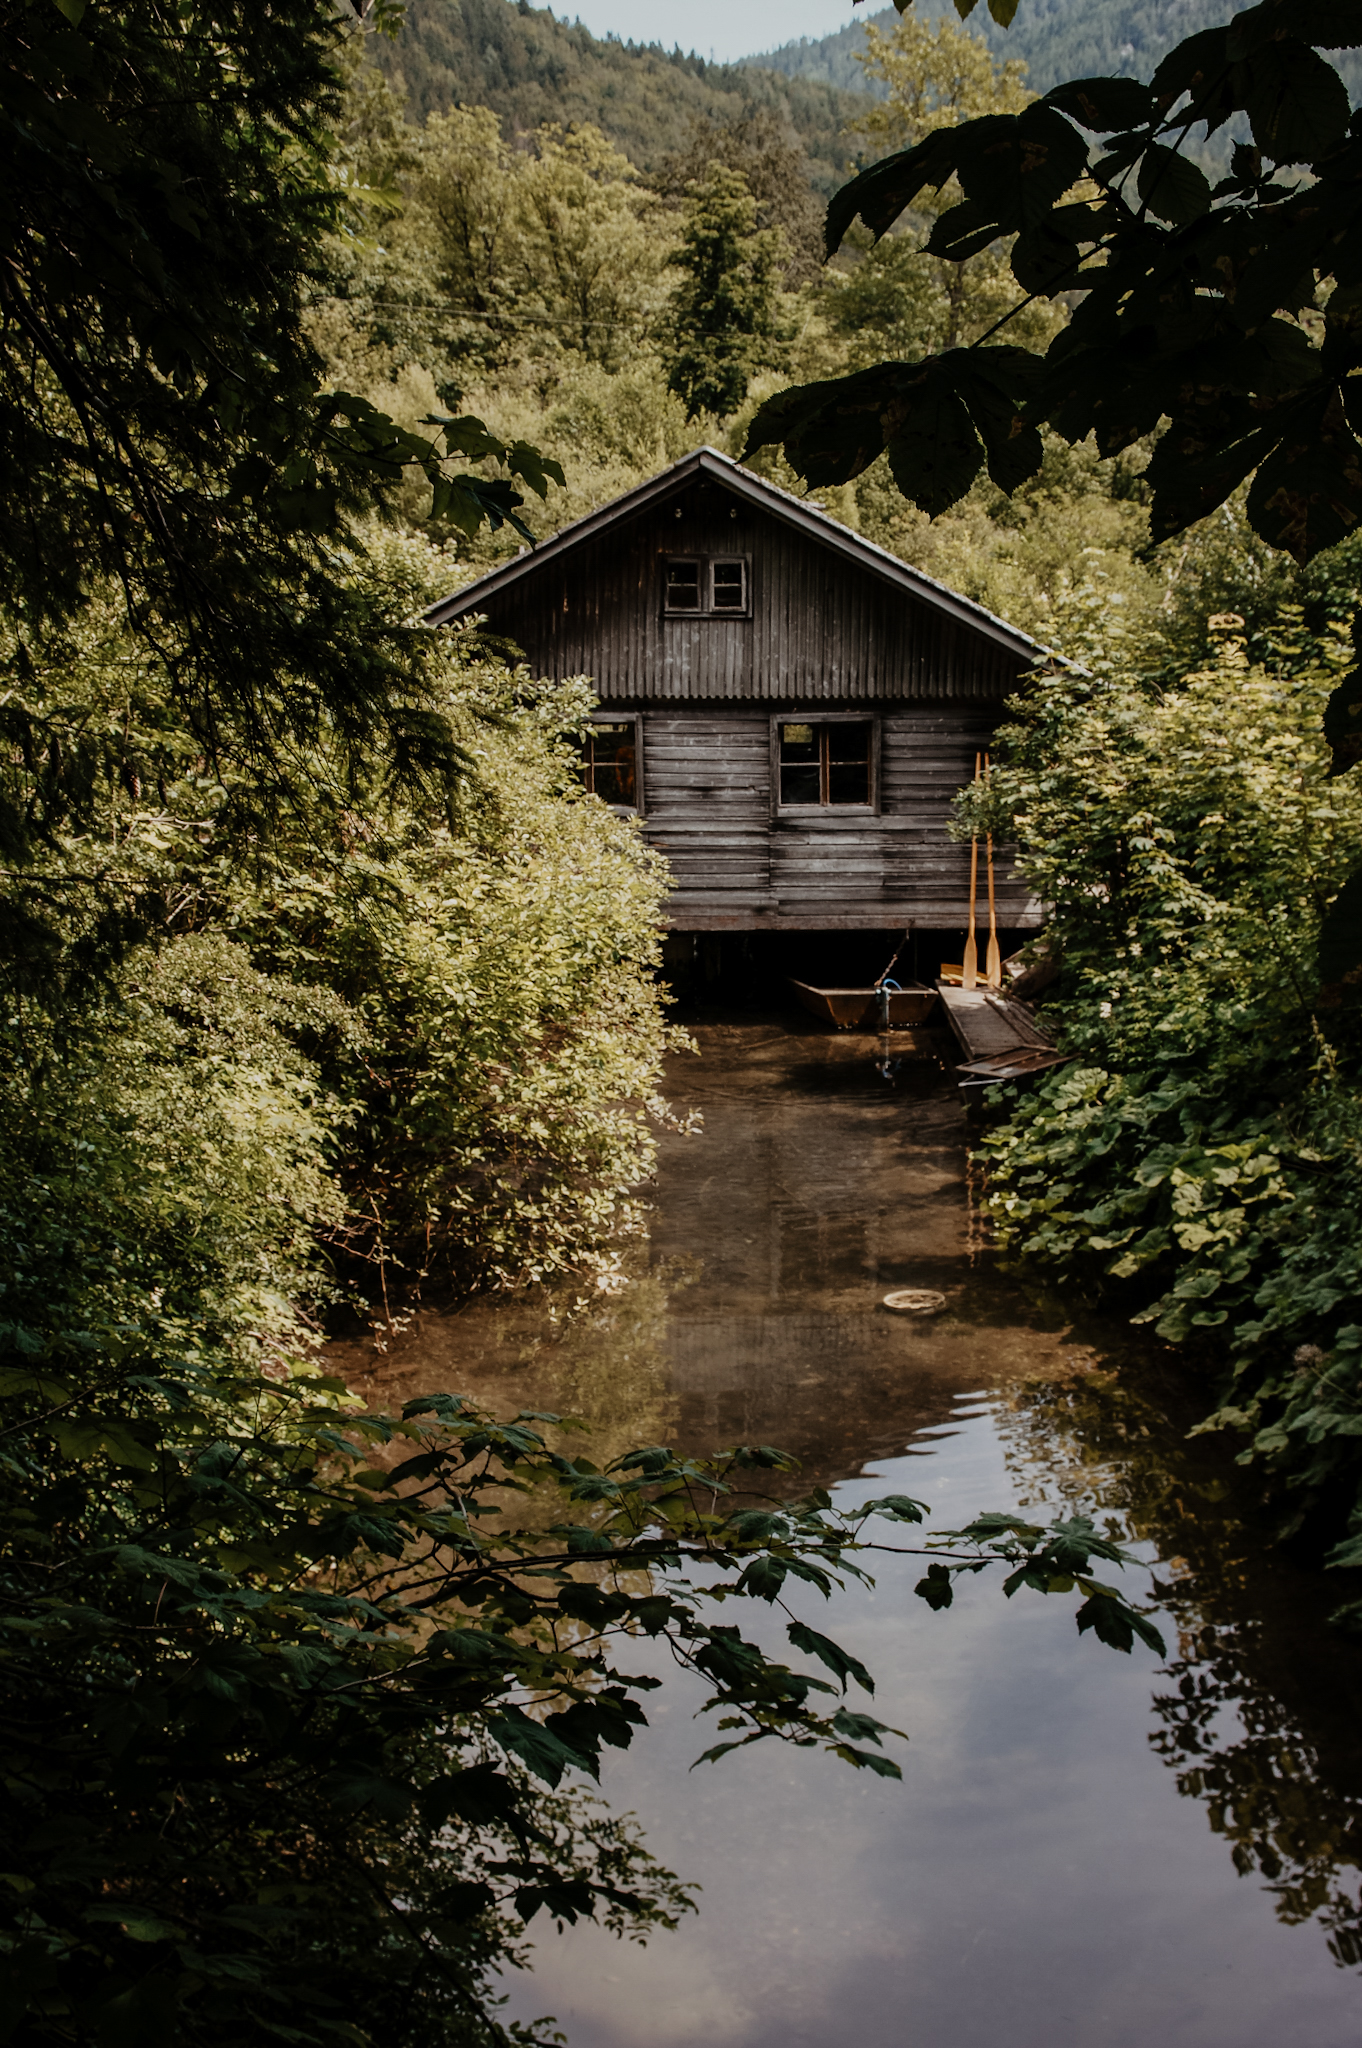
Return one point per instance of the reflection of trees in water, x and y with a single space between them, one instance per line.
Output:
598 1356
603 1359
1281 1801
1261 1719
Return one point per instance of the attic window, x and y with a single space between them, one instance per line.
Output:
826 761
683 586
706 586
728 586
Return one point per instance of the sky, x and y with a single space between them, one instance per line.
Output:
727 28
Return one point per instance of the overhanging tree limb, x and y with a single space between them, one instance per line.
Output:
1229 315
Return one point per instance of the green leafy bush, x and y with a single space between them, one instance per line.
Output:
294 1699
1205 1146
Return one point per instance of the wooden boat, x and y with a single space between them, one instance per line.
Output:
849 1007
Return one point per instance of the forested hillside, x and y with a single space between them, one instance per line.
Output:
1055 39
529 67
533 273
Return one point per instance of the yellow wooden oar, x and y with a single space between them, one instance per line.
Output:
970 977
995 958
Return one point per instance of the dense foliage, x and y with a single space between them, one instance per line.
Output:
539 323
163 420
469 970
320 963
723 317
530 66
1219 319
1202 1151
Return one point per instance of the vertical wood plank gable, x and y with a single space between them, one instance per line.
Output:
821 629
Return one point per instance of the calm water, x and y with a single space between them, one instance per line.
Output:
1087 1850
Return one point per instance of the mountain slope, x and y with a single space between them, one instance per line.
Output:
530 67
1055 39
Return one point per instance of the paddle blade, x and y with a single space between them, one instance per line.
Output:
995 964
971 949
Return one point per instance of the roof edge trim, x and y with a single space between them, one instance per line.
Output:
769 497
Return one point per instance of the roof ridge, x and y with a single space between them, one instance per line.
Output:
872 546
756 488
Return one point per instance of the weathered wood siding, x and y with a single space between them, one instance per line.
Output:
820 629
832 626
708 803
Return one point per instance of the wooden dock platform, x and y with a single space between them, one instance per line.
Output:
999 1037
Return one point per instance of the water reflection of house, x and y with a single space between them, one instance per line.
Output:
788 709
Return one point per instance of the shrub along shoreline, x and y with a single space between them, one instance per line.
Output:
1202 1153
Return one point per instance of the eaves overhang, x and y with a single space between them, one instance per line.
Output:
766 497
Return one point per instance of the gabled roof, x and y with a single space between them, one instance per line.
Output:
766 497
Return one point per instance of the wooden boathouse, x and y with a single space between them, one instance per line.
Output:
787 709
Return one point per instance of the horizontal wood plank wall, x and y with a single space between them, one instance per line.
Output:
821 629
707 790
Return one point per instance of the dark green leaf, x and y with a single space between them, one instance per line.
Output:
1340 937
545 1753
1104 104
1018 166
1172 186
882 193
838 1661
1343 714
936 1588
1307 493
763 1578
462 1900
481 1795
1200 67
1117 1625
900 1506
1296 102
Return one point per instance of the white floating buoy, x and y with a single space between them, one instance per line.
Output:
915 1301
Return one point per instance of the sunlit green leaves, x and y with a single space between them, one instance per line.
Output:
1203 1152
